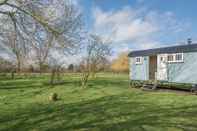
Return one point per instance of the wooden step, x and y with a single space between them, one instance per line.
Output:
149 86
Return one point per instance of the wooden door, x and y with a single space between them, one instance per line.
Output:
152 67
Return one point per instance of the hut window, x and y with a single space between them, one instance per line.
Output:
138 60
179 57
170 58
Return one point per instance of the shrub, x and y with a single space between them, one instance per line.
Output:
53 97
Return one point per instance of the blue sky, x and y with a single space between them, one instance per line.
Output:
138 24
141 24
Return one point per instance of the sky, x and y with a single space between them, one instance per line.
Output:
138 24
141 24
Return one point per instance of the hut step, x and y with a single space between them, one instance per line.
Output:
149 86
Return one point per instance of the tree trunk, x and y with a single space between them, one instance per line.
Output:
84 79
18 63
18 66
58 75
40 68
12 74
52 76
93 75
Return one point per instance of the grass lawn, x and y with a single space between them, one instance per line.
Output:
107 104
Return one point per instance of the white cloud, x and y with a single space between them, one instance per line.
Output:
146 43
124 24
75 2
58 58
138 26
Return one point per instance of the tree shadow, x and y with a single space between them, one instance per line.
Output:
107 113
106 82
20 84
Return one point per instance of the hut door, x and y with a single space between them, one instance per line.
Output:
162 67
152 67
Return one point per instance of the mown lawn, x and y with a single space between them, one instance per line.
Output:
106 104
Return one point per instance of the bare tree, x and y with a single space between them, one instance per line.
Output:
40 50
30 8
13 22
97 50
42 25
70 68
70 26
57 62
9 38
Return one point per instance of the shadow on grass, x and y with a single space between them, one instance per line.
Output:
20 84
38 83
107 113
108 82
34 83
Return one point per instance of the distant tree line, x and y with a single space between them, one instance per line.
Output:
39 34
117 65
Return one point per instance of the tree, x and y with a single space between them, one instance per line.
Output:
97 50
30 9
8 37
71 67
7 66
40 26
121 64
57 62
15 25
69 23
41 47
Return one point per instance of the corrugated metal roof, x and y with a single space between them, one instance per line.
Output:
172 49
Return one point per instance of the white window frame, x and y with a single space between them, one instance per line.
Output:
181 60
138 62
174 58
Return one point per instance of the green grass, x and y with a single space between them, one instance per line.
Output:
106 104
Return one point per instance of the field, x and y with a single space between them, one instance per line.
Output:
106 104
